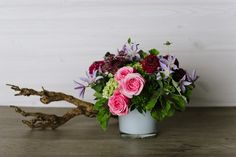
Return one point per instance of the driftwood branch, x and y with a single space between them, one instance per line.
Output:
42 120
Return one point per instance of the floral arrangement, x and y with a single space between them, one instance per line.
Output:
135 79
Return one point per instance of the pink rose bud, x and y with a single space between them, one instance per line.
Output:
132 84
118 104
122 72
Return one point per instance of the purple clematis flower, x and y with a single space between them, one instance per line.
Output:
192 77
170 61
165 69
131 50
183 83
81 88
89 80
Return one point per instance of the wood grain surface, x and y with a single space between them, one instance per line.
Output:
50 43
198 132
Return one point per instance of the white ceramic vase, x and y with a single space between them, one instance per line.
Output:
137 125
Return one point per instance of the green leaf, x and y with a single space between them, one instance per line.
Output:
100 103
132 107
179 101
188 92
140 110
103 117
168 89
169 110
129 40
175 84
160 83
97 95
143 54
154 52
98 87
153 100
158 115
167 106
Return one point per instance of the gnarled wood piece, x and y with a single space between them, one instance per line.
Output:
42 120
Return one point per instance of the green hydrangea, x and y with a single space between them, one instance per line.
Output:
108 90
110 75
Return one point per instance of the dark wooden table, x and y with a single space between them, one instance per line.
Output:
198 132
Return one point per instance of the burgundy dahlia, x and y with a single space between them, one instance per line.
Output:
150 63
113 63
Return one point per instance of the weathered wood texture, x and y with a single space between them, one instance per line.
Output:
51 42
208 132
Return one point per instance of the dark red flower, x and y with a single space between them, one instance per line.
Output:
113 63
150 63
95 66
178 74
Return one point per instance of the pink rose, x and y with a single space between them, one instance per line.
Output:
122 72
118 104
132 84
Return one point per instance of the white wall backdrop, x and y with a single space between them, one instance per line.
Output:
50 43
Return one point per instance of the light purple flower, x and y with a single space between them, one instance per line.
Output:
170 61
131 50
89 80
183 83
165 69
192 77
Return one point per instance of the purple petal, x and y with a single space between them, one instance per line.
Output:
163 60
189 77
192 77
182 87
84 79
78 83
132 47
82 93
163 66
171 71
94 74
136 46
194 74
87 74
175 67
81 90
186 83
183 78
79 87
124 48
158 76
